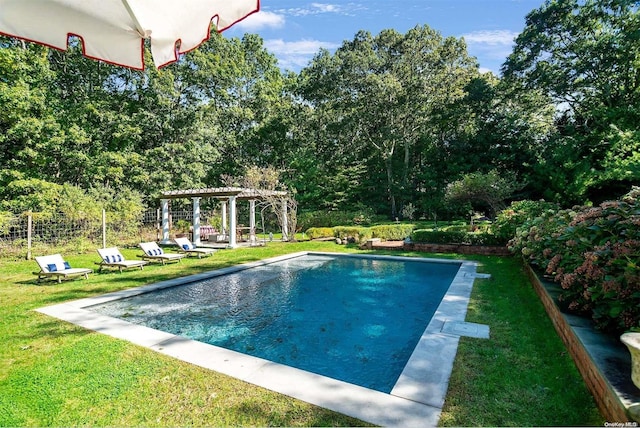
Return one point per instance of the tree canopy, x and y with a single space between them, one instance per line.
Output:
385 122
585 55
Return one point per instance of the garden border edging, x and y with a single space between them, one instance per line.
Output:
608 400
485 250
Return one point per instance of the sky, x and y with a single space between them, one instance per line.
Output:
295 30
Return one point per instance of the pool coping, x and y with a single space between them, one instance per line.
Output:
416 399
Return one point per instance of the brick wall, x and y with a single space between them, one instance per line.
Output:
486 250
608 402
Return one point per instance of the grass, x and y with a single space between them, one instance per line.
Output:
53 373
523 375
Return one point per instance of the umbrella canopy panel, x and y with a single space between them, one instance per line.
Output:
114 30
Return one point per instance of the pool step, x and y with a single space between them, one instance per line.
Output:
478 275
468 329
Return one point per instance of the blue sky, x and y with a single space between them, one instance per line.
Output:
295 30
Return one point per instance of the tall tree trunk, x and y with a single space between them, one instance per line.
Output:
392 197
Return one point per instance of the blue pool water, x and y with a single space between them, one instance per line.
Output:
352 319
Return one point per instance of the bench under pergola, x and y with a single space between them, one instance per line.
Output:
229 197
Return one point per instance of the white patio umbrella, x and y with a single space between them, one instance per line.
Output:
114 30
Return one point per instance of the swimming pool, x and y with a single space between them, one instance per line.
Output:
415 400
353 319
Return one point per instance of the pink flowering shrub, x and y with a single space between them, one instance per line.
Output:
508 220
594 254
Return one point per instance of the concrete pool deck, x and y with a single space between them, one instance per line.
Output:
416 399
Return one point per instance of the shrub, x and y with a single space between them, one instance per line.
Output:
538 239
439 236
319 232
360 234
389 232
516 215
181 226
455 236
593 253
361 217
6 219
456 228
490 189
392 232
485 238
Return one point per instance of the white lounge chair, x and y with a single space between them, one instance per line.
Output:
55 266
154 253
111 257
185 246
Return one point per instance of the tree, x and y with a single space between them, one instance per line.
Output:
382 93
585 54
488 190
274 195
240 93
500 128
29 127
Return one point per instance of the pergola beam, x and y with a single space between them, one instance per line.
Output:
222 192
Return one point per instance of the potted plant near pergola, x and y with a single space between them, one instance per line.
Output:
182 228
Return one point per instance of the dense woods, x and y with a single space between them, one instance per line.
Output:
384 122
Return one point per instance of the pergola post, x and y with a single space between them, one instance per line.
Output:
252 221
285 221
165 221
232 222
224 218
196 221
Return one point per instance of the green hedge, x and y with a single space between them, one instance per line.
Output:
456 228
389 232
320 232
360 234
455 237
438 236
392 232
320 219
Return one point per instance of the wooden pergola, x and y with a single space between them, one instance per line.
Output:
229 197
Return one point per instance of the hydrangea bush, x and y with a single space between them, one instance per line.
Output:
594 254
519 212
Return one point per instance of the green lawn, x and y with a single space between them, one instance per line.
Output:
56 374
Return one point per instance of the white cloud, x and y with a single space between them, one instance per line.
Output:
347 9
325 8
491 38
300 46
260 20
492 45
296 55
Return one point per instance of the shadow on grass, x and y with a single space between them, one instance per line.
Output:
320 417
49 329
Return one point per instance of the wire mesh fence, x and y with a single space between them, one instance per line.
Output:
27 234
24 235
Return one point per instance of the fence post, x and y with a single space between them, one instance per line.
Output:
104 228
29 226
